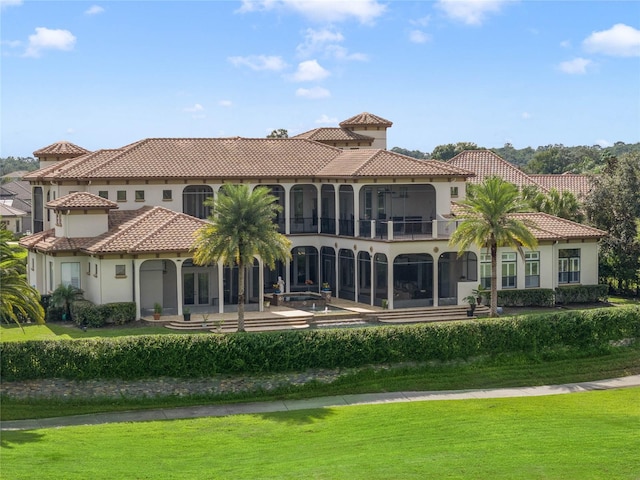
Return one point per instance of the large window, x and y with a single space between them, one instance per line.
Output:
70 273
532 269
193 198
485 270
509 275
569 265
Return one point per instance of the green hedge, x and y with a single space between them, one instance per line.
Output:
86 313
582 294
537 297
186 356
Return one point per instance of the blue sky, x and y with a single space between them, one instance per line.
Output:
529 73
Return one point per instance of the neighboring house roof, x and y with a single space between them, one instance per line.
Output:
19 188
80 201
485 163
15 175
146 230
62 148
579 185
246 158
9 211
333 134
365 118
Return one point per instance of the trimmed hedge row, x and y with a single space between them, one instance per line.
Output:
582 294
538 297
87 313
186 356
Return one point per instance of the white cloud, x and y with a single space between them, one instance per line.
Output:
421 22
604 143
225 103
327 120
94 10
313 93
471 12
526 115
418 36
577 66
364 11
194 109
565 44
10 3
48 39
11 43
310 71
619 41
326 42
259 62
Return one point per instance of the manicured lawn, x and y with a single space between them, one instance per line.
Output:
584 435
53 331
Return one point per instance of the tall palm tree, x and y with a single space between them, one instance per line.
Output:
488 223
241 228
18 300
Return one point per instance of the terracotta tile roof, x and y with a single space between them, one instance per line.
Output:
80 201
365 118
485 163
579 185
47 242
239 158
383 163
333 135
152 229
548 227
146 230
61 149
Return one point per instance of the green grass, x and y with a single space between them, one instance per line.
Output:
66 331
584 435
500 371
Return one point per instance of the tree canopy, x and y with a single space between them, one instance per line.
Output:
241 228
19 301
279 133
488 222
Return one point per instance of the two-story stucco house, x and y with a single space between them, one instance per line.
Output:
375 225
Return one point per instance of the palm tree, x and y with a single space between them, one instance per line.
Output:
18 300
64 296
241 228
488 223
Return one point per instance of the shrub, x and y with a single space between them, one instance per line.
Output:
186 356
582 294
537 297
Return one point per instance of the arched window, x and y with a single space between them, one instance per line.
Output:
193 198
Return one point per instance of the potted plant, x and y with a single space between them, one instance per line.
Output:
479 293
276 288
326 287
157 311
471 300
385 304
186 314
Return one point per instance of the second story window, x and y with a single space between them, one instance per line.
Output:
122 195
167 195
103 194
139 195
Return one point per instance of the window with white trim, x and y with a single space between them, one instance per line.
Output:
121 271
569 265
531 269
121 195
485 270
509 270
70 273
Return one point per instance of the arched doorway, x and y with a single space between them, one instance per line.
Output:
413 280
193 198
158 283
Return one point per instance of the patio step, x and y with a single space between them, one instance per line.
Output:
427 314
250 324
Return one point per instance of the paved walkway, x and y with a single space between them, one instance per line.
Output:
322 402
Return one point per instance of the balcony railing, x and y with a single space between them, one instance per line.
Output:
303 225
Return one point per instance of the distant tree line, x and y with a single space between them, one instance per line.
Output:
16 164
550 159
